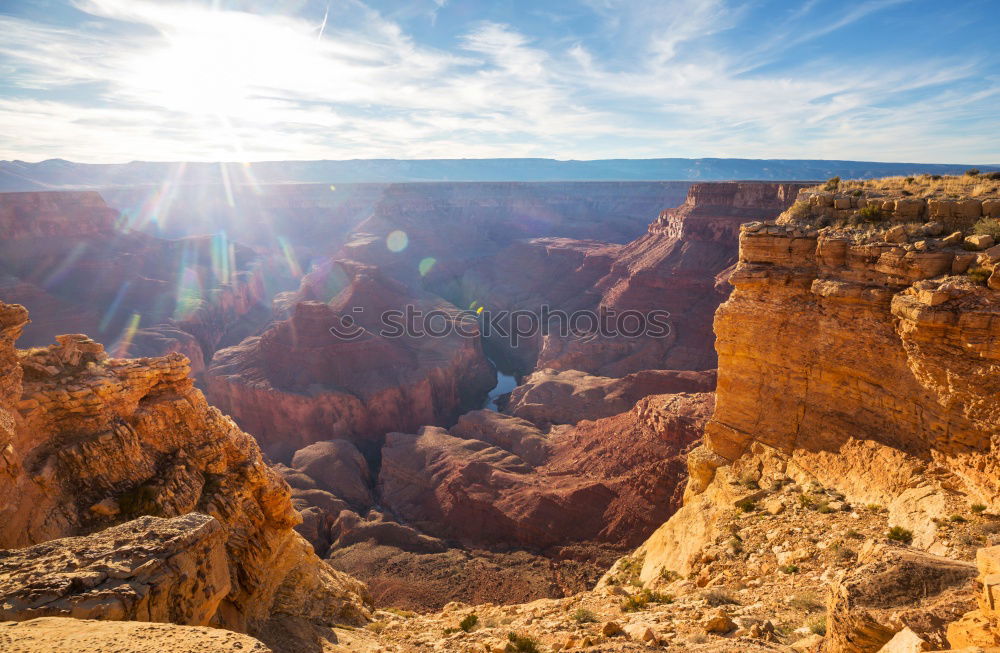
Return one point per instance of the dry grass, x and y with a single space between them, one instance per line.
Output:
925 186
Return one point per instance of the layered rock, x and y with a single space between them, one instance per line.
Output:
92 441
612 480
566 397
300 383
672 268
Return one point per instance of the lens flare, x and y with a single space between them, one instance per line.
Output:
397 241
126 340
426 265
293 263
113 308
222 252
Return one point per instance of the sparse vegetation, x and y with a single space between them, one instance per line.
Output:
979 274
807 501
715 598
806 601
925 186
870 213
972 172
988 226
748 481
832 184
789 569
669 575
900 534
746 505
377 626
521 644
853 534
584 616
469 622
823 507
818 626
641 600
978 508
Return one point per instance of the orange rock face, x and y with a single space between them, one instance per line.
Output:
89 442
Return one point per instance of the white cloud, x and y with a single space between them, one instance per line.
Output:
198 83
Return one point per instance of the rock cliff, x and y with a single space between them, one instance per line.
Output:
299 383
859 353
90 442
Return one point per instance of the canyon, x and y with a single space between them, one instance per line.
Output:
807 462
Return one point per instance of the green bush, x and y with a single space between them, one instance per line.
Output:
972 172
641 600
900 534
995 176
978 274
789 569
521 644
832 184
818 626
978 508
958 519
806 601
715 598
469 622
584 616
870 213
988 226
746 505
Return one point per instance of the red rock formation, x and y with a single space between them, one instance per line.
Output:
612 480
299 383
673 267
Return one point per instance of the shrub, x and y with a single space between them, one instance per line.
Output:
469 622
853 534
988 226
958 519
900 534
995 176
746 505
978 508
824 507
640 600
832 184
870 213
715 598
377 626
807 601
818 626
936 177
807 501
857 192
521 643
909 180
748 481
736 545
972 172
978 274
789 569
584 616
874 507
669 574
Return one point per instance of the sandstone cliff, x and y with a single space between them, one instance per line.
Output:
89 442
857 357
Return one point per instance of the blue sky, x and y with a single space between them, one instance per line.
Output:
121 80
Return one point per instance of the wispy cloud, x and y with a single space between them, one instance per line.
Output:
163 80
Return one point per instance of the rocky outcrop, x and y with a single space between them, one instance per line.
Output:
93 441
75 214
149 569
981 627
566 397
299 383
611 480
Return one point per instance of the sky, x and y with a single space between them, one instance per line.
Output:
163 80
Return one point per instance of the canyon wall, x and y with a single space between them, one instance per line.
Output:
91 442
298 383
858 359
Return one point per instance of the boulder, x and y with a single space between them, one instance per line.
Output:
150 569
905 641
337 467
980 241
893 588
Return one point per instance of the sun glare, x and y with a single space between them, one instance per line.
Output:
219 64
